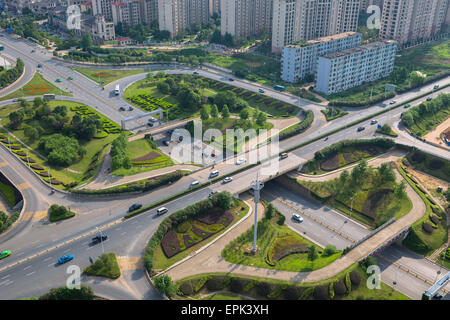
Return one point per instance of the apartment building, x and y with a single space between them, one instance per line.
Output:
176 15
352 67
149 11
126 12
301 60
295 20
214 7
103 7
412 21
245 18
366 3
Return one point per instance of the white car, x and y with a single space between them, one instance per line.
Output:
373 122
393 102
227 179
240 161
297 217
194 183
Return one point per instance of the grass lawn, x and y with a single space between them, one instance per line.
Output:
428 122
272 238
55 216
336 113
138 149
8 192
107 76
277 288
437 167
273 108
75 172
105 266
37 86
161 262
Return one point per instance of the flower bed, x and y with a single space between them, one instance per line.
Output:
170 244
201 233
216 216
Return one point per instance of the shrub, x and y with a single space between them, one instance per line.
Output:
339 288
329 250
281 220
291 293
355 278
64 293
186 288
57 213
331 291
307 293
348 283
214 284
201 282
435 164
321 292
236 285
264 289
428 228
418 157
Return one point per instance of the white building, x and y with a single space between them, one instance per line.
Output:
126 12
295 20
352 67
301 60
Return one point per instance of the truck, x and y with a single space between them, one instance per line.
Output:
279 88
117 90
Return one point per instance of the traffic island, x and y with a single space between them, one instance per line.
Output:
106 266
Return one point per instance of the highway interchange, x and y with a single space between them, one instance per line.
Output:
129 237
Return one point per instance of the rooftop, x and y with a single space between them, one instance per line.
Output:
365 47
324 39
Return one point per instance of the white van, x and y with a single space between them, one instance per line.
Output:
214 173
161 211
194 183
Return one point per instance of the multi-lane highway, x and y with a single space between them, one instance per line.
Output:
128 238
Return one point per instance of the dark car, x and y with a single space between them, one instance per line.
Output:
130 108
121 109
195 72
39 65
231 79
436 87
99 239
429 98
134 207
361 129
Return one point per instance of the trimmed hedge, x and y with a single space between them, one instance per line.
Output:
300 127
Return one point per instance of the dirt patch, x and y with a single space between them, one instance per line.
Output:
149 156
215 216
373 202
332 163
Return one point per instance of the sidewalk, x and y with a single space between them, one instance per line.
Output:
210 260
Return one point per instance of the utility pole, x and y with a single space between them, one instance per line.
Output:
257 187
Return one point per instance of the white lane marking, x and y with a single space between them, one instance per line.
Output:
26 268
5 277
46 259
19 254
29 274
67 250
123 233
51 264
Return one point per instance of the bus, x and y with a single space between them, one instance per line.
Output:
279 88
117 90
48 97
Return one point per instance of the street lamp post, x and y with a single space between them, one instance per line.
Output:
351 206
257 187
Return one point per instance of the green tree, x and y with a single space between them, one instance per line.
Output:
244 114
223 200
214 112
163 87
359 172
269 212
16 118
386 173
400 190
262 118
164 285
329 250
31 133
312 254
86 42
204 115
225 112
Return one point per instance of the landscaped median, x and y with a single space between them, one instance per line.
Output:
105 266
13 196
58 213
189 229
349 284
429 232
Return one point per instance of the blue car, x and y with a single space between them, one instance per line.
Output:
65 259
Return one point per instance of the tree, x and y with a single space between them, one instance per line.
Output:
214 111
386 173
344 177
312 253
86 42
31 133
244 114
228 40
262 118
223 200
329 250
16 118
225 112
255 114
400 190
164 285
269 212
204 113
216 37
163 87
359 172
417 79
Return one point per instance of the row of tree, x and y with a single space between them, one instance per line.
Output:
9 76
417 114
119 150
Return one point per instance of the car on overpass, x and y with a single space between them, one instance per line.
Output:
240 161
65 259
227 179
5 254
